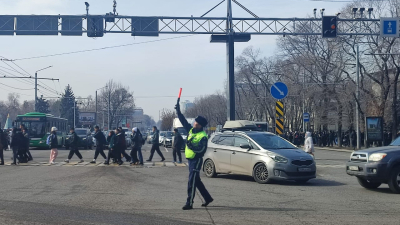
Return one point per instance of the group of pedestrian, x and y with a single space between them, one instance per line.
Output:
19 143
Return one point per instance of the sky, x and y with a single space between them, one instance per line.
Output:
148 69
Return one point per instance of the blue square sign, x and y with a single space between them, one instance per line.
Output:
389 27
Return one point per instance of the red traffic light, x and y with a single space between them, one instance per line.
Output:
333 26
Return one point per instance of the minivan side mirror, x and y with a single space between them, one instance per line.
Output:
245 146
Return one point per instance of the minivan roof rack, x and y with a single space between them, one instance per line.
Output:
239 125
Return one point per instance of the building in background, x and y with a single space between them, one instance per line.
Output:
186 105
87 119
137 119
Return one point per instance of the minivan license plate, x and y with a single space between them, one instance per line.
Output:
354 168
304 169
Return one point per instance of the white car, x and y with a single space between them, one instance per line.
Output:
162 136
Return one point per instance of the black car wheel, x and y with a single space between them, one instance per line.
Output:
260 174
368 184
394 180
209 168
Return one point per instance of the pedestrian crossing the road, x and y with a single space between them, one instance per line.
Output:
101 164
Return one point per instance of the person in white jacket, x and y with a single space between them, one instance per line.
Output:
308 144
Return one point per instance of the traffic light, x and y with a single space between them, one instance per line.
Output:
329 26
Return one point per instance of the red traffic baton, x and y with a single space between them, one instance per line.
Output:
179 96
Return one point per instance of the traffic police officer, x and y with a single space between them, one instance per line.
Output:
196 146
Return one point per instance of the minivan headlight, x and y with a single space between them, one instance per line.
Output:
376 157
279 159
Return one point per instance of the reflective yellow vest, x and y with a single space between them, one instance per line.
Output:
194 139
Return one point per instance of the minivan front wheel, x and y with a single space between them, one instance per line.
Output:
260 174
394 180
209 169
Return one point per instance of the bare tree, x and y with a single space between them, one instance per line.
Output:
119 99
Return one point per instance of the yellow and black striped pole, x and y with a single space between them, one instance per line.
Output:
279 118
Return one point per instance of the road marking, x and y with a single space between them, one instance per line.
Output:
88 164
332 166
166 149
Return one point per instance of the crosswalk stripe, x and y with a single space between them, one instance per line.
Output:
88 164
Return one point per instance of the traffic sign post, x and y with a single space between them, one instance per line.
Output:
279 90
279 118
390 27
306 117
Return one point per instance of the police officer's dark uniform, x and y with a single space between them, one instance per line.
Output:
196 146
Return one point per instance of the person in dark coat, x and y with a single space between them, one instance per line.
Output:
155 145
15 144
119 140
24 146
26 134
137 142
123 146
100 142
111 147
3 144
176 148
73 143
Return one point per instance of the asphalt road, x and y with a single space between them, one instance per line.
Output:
155 193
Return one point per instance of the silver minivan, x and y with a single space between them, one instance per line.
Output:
262 155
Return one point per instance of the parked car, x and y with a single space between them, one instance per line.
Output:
150 137
167 140
128 139
240 149
376 166
85 138
162 135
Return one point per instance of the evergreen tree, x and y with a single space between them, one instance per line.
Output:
67 107
43 105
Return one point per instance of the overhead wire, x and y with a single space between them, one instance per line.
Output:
103 48
30 75
21 89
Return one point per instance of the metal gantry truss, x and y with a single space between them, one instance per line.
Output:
153 26
222 29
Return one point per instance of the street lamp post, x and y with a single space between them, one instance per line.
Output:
96 105
358 97
36 86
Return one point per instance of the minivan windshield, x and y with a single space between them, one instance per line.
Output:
269 141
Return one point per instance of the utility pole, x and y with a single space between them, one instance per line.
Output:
304 100
230 54
358 97
36 78
109 106
96 105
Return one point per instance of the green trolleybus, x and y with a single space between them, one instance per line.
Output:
39 126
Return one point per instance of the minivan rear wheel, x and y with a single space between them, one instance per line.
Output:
260 174
209 169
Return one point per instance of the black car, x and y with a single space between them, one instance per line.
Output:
85 138
375 166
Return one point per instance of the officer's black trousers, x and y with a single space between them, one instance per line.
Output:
156 147
99 150
195 182
74 150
